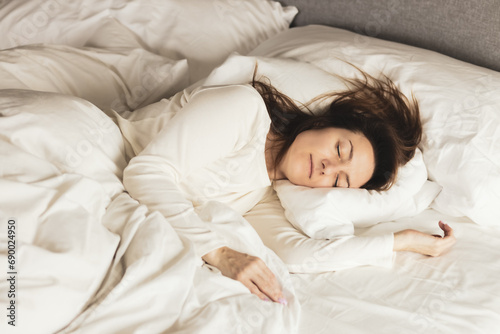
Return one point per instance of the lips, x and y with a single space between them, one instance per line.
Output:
311 165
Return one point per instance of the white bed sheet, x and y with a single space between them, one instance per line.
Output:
458 292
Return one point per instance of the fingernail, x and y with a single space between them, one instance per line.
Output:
282 301
267 299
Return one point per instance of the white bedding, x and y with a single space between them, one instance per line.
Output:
455 293
90 259
85 244
458 105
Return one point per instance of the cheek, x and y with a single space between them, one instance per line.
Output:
306 142
297 168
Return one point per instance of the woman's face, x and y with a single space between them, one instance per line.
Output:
329 157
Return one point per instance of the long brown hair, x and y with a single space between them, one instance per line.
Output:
374 107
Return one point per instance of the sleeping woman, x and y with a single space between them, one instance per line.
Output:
228 143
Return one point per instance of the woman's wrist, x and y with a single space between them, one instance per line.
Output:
424 243
213 256
400 241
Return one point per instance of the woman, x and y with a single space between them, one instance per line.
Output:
228 143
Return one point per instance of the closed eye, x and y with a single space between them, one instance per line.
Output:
338 150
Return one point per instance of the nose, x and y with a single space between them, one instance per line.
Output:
328 167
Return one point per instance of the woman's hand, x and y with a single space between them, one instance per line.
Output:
249 270
418 242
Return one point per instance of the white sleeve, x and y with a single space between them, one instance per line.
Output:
214 122
302 254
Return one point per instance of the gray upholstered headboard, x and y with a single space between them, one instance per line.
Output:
466 30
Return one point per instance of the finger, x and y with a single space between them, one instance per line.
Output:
448 231
442 225
255 290
282 300
269 285
449 239
266 281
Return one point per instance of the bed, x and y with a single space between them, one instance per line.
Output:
86 84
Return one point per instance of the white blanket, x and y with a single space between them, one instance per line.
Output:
90 256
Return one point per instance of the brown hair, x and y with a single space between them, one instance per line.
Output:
374 107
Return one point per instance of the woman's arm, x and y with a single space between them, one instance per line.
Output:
302 254
212 125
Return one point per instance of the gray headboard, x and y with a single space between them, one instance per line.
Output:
466 30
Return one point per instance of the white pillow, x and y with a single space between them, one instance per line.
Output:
124 78
459 105
62 22
297 79
324 213
203 31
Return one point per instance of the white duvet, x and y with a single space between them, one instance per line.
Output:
87 253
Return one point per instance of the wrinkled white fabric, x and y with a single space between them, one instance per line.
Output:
203 32
92 259
62 160
453 293
121 79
